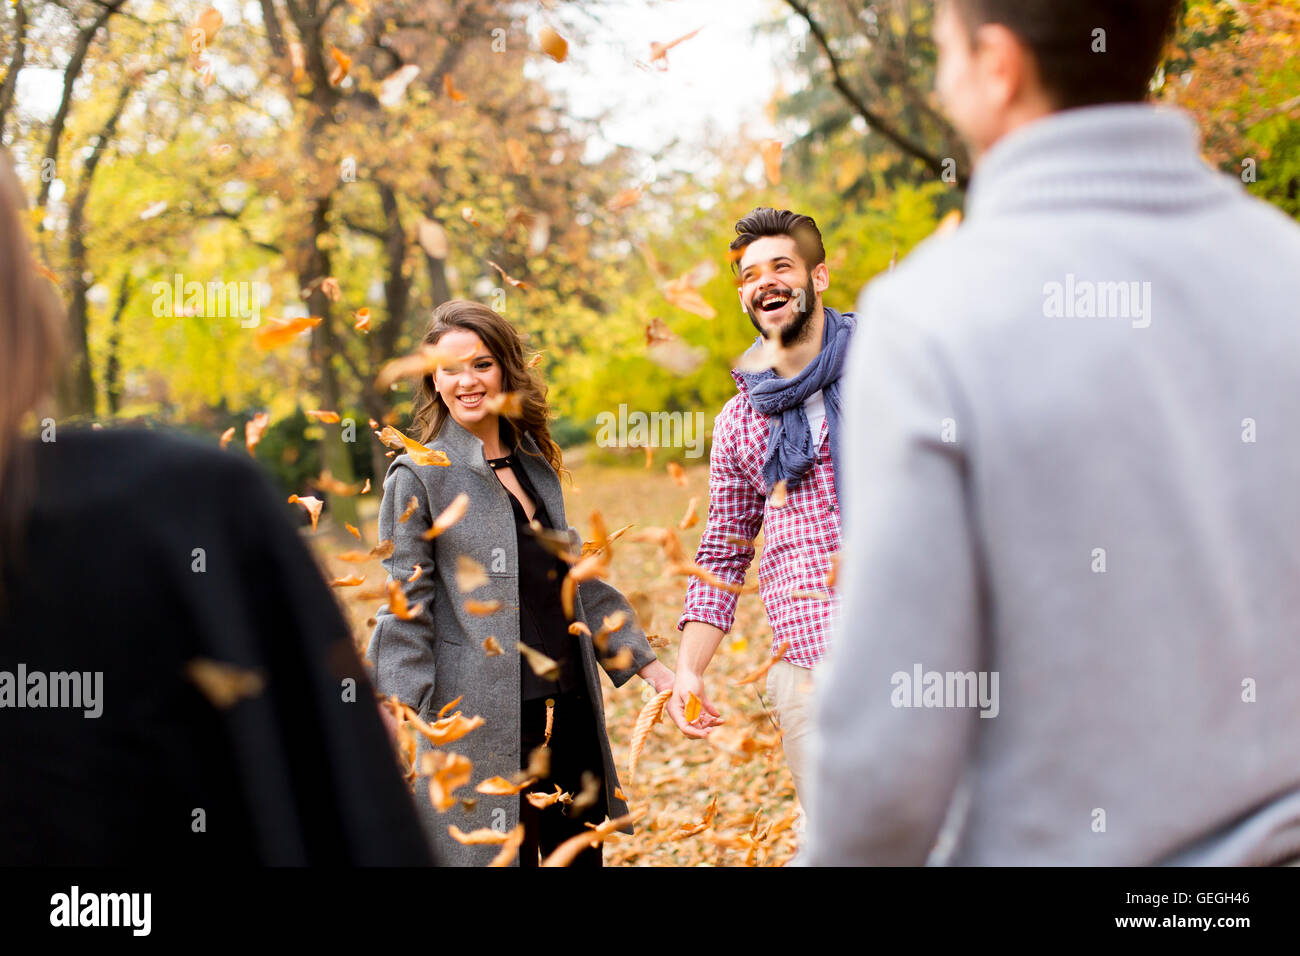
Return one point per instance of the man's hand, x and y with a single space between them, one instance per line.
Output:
687 683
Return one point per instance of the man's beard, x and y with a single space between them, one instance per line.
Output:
800 326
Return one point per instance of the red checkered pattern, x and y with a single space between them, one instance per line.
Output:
798 539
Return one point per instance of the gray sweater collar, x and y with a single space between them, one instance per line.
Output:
1134 156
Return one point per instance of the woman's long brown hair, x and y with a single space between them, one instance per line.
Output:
31 341
501 339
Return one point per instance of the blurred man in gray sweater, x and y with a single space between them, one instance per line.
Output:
1070 587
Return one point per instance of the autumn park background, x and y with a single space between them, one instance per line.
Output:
360 161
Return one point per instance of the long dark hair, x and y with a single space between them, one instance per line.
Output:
503 341
31 342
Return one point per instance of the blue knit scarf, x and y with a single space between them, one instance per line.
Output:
790 449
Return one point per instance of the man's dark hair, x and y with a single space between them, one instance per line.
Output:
1061 34
766 221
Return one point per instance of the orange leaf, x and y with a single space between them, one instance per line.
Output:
766 666
449 88
329 418
420 455
224 684
450 515
484 836
645 720
278 332
342 65
510 847
517 283
693 706
770 149
553 45
501 787
313 506
254 428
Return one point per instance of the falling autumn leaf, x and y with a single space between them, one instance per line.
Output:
659 51
224 684
645 720
779 493
447 773
770 150
470 575
492 647
501 787
227 435
484 836
668 350
682 293
415 575
542 665
351 581
332 486
509 404
517 152
419 454
254 428
342 66
432 238
509 848
424 360
553 45
397 602
328 418
278 332
543 800
624 199
765 667
353 530
409 510
568 851
677 473
517 283
330 286
467 213
449 87
313 506
450 515
948 223
691 518
362 323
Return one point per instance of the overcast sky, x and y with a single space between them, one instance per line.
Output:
717 84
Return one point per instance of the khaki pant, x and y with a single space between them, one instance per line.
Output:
790 689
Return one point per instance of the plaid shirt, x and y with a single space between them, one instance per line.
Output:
798 539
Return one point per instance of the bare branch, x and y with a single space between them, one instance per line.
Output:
876 121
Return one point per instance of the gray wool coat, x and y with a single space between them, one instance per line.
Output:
438 655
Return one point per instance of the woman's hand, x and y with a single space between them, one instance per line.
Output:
658 676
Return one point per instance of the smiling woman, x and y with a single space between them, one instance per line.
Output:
487 592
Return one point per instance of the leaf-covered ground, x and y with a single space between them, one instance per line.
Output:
740 766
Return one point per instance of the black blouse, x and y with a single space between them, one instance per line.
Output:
542 624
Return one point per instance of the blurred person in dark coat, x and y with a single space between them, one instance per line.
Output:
141 575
